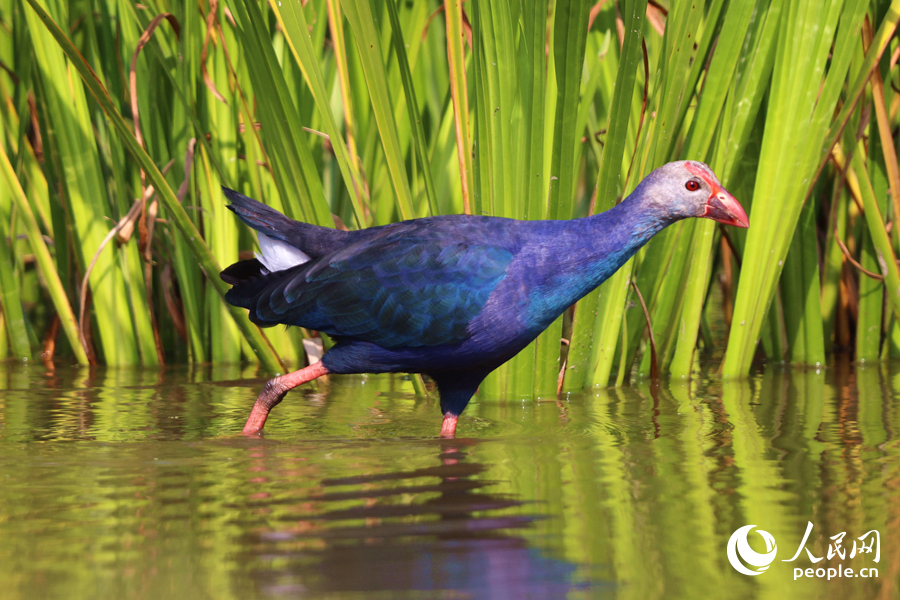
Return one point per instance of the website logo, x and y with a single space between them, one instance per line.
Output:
740 552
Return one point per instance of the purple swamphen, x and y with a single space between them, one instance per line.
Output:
452 296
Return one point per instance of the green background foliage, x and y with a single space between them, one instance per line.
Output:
121 121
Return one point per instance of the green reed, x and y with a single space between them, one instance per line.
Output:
364 112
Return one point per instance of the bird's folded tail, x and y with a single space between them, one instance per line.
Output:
243 270
257 215
285 242
277 253
250 280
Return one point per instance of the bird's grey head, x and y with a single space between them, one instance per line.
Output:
689 188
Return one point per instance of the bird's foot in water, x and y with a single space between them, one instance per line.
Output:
274 392
448 427
271 395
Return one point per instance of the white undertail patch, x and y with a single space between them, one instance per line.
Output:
277 255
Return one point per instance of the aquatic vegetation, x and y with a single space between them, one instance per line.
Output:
121 122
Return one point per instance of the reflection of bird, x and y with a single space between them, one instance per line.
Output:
436 530
453 296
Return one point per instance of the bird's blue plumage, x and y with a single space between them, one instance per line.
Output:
393 290
439 294
451 296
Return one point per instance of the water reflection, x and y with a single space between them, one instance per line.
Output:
434 528
134 484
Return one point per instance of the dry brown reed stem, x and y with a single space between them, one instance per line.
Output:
211 26
147 213
846 112
837 238
884 129
336 27
129 217
459 94
637 137
654 361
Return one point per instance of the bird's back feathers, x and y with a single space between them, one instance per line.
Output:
402 286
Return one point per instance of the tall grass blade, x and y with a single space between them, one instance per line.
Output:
296 30
412 105
569 43
85 195
365 30
495 97
801 291
44 262
459 92
532 87
799 113
858 177
15 329
177 213
293 166
598 316
748 43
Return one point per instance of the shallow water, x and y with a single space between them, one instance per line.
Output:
134 484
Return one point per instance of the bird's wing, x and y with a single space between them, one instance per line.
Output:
395 291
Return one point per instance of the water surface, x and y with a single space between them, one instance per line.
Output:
120 483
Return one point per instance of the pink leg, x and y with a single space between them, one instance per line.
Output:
448 427
275 390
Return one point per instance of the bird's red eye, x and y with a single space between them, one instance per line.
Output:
692 185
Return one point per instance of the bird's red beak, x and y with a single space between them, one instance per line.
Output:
724 208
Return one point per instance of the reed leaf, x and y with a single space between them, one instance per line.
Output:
539 120
460 95
293 166
596 324
569 42
201 252
15 331
412 105
296 30
858 178
84 193
364 26
797 123
45 264
713 99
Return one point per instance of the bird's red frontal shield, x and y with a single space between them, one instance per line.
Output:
721 206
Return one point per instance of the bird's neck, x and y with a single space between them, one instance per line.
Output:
614 236
587 251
